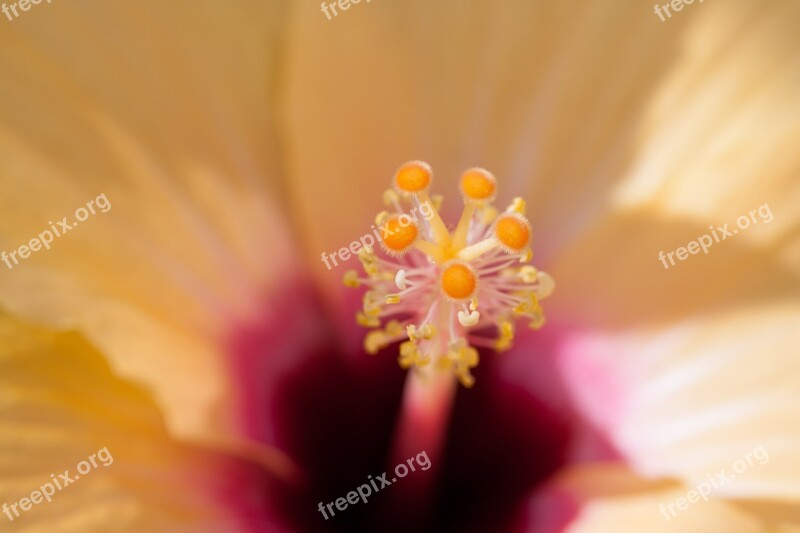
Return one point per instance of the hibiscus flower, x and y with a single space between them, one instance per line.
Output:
191 160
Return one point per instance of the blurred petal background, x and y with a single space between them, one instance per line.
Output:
193 331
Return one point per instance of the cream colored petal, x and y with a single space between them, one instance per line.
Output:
710 400
166 109
609 498
615 275
712 150
584 108
547 95
716 138
715 149
61 406
777 517
640 512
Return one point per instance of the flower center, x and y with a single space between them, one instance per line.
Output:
437 287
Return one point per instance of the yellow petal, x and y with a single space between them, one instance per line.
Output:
176 131
61 406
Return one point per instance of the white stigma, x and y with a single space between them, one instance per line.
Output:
468 320
400 280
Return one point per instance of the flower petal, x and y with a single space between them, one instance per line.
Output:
612 276
61 405
736 74
178 138
711 399
609 498
546 95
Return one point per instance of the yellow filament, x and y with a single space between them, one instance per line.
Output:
460 234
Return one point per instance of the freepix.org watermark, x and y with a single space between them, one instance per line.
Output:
425 209
45 238
60 482
365 490
676 5
24 5
720 233
720 479
343 5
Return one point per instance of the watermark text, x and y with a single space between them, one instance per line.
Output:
719 233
